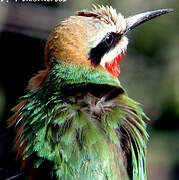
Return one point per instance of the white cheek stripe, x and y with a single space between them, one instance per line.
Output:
120 47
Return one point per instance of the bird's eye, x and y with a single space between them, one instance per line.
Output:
109 39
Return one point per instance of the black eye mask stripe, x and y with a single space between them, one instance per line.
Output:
103 47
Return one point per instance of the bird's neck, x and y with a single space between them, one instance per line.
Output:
63 74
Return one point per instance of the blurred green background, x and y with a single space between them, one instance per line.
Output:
149 71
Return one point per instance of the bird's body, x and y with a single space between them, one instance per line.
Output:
76 115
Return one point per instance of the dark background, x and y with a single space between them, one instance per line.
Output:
149 71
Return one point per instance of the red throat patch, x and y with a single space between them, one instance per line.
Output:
113 66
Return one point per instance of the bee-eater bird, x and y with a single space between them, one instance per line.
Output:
76 121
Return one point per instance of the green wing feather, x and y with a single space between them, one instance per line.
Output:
77 132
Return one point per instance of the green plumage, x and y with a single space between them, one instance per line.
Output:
83 122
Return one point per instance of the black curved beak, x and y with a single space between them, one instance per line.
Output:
134 21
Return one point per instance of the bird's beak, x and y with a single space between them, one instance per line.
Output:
134 21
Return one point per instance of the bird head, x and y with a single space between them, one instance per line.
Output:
96 39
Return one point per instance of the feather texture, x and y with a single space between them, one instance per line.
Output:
79 123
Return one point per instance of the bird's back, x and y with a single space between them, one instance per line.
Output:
84 135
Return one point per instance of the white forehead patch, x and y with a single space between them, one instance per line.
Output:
98 31
109 16
100 22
